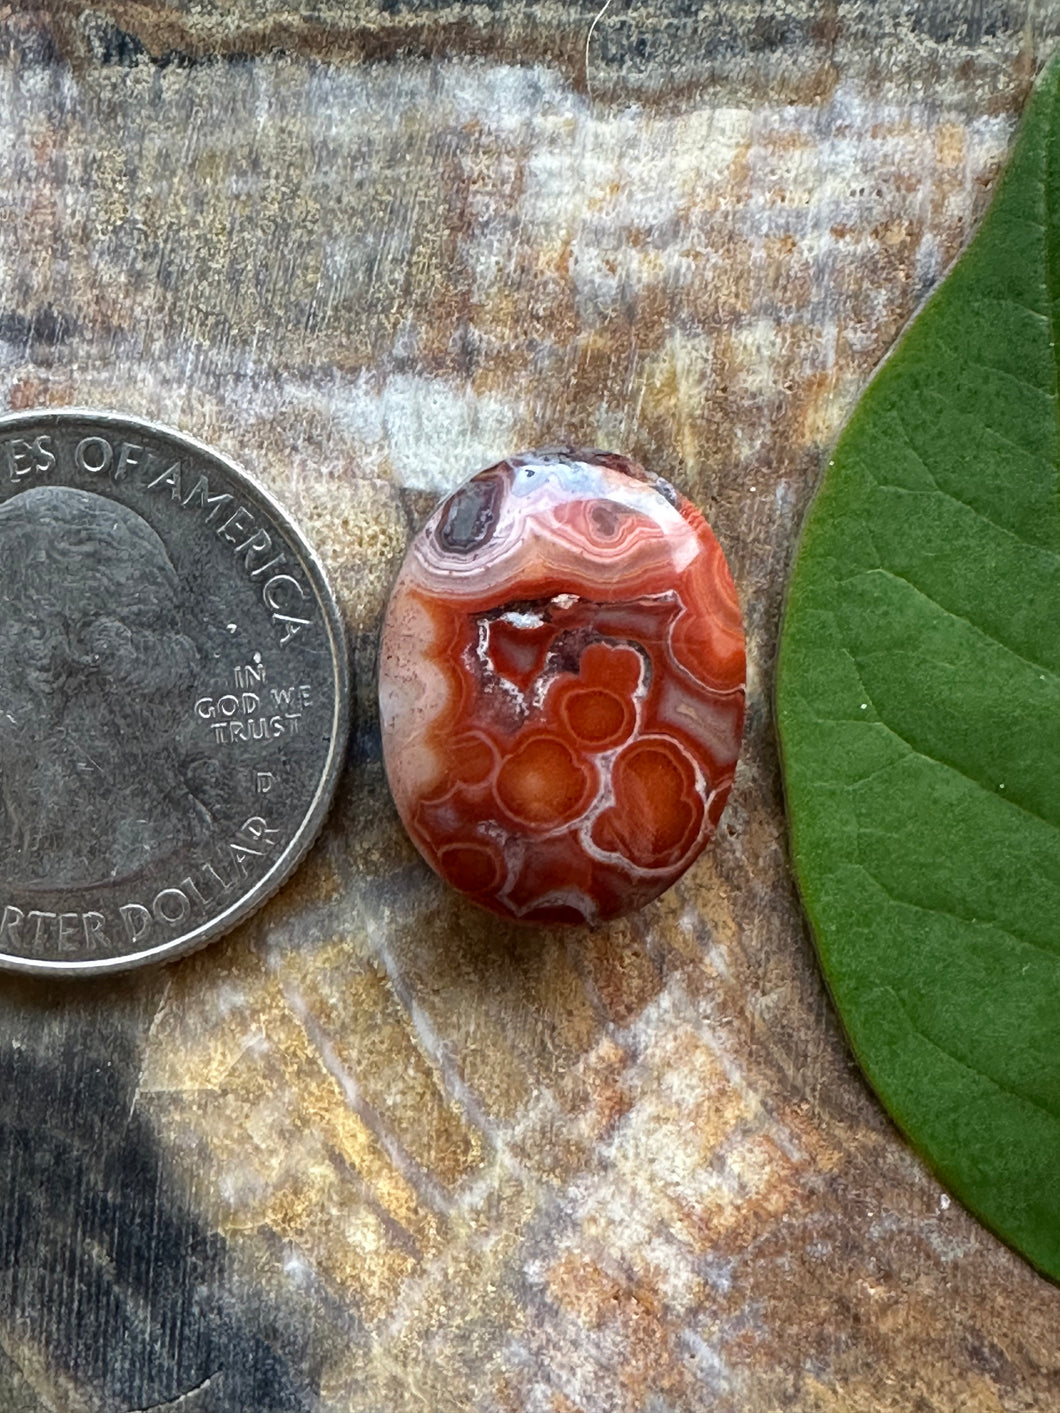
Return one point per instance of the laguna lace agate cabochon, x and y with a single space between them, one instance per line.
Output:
562 687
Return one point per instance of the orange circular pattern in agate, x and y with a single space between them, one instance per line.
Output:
562 687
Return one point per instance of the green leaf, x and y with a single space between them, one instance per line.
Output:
918 704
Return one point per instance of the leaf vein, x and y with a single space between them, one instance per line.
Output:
932 909
966 1065
877 721
1047 393
936 489
1009 303
957 500
1016 446
959 618
1004 800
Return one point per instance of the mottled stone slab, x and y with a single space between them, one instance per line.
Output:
379 1151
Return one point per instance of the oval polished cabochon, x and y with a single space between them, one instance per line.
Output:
562 687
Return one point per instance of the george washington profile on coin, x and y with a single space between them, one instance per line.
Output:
95 672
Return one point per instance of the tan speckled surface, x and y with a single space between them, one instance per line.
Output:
367 252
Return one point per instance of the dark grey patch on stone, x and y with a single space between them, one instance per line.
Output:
469 515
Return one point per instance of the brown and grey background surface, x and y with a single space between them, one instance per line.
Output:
377 1151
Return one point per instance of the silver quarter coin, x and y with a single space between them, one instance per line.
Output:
174 693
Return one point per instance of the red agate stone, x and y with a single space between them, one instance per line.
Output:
562 687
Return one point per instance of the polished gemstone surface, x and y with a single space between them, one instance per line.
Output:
562 687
